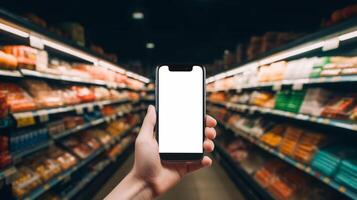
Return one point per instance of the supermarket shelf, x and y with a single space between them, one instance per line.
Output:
343 33
17 156
54 181
301 82
37 74
10 73
319 120
26 30
79 107
237 173
303 167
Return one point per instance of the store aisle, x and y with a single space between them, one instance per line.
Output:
206 184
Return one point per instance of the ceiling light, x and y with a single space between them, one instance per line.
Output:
138 15
13 30
150 45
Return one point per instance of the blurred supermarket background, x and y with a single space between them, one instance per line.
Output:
76 78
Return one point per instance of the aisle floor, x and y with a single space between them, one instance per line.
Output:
207 184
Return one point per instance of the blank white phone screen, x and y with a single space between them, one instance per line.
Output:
180 110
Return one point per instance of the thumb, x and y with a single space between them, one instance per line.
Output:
148 126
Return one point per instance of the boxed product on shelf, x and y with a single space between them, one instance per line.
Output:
26 138
47 168
79 148
346 173
43 94
73 121
4 107
17 98
26 56
287 185
108 111
262 99
307 146
24 181
289 100
241 98
56 127
217 97
63 158
7 61
101 135
116 95
269 171
70 97
327 159
101 93
275 136
353 115
116 128
5 156
90 140
84 93
291 138
339 107
315 101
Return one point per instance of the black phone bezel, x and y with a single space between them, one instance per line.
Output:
180 156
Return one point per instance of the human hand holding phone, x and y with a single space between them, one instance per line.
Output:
150 177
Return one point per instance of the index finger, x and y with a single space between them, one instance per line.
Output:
210 121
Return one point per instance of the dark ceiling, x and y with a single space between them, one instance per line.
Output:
182 30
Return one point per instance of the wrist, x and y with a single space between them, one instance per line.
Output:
147 190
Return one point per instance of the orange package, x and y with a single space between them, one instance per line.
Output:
26 56
7 61
307 146
274 136
17 98
291 139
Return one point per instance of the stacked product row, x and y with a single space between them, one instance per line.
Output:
325 153
13 57
279 179
24 139
313 101
30 95
303 68
41 167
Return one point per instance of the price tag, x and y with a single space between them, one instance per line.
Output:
90 108
326 180
298 85
277 86
46 187
331 44
308 169
41 60
107 119
342 189
43 115
79 110
299 166
36 42
25 121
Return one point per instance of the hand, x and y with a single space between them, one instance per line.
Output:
150 177
148 167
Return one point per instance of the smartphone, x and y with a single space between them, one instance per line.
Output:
181 111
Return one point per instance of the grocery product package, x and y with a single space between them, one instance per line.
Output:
17 98
43 94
